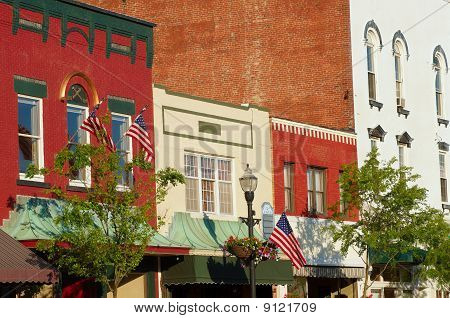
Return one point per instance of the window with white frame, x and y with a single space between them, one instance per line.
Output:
31 146
316 190
371 54
443 176
75 136
373 143
398 58
343 204
402 155
439 89
288 171
120 124
209 185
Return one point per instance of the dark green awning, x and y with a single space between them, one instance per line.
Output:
415 256
222 270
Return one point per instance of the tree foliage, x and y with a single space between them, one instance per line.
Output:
394 218
104 232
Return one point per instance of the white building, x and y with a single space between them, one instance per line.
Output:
401 95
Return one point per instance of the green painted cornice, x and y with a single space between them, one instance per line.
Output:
93 18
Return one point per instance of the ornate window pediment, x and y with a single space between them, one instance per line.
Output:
405 139
377 133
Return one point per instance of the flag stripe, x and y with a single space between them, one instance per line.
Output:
283 236
138 131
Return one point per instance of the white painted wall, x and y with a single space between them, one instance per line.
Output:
425 25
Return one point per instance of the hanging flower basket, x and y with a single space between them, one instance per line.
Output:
241 252
243 248
247 249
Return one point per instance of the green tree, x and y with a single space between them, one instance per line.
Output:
394 217
104 232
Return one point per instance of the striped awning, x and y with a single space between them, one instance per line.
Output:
18 264
330 272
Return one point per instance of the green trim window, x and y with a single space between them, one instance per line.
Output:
209 185
31 144
120 125
316 190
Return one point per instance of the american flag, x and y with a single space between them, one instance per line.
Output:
94 126
138 131
283 236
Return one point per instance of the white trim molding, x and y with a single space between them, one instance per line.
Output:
313 131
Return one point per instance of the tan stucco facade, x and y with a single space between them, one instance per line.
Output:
187 124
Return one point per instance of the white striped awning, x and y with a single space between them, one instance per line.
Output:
330 272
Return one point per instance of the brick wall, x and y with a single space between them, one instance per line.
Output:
292 56
309 149
25 54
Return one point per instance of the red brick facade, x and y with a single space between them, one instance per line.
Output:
309 147
291 56
26 54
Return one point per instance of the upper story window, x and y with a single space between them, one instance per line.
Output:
440 67
371 53
443 176
31 145
316 190
77 112
398 57
439 90
209 185
402 155
120 124
288 171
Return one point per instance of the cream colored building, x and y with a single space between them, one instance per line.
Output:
219 140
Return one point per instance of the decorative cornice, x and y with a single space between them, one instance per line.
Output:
86 19
313 131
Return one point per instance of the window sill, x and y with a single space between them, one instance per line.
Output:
75 188
402 111
33 183
442 121
213 216
373 103
445 206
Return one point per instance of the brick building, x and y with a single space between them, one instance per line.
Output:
58 58
292 57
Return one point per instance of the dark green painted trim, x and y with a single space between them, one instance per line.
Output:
208 100
121 105
209 128
30 87
151 286
90 16
165 132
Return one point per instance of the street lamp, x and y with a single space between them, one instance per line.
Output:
248 184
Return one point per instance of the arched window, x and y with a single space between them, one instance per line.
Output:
372 42
399 74
439 87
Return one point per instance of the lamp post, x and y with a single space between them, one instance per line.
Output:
248 184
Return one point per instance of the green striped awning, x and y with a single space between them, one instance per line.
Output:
222 270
